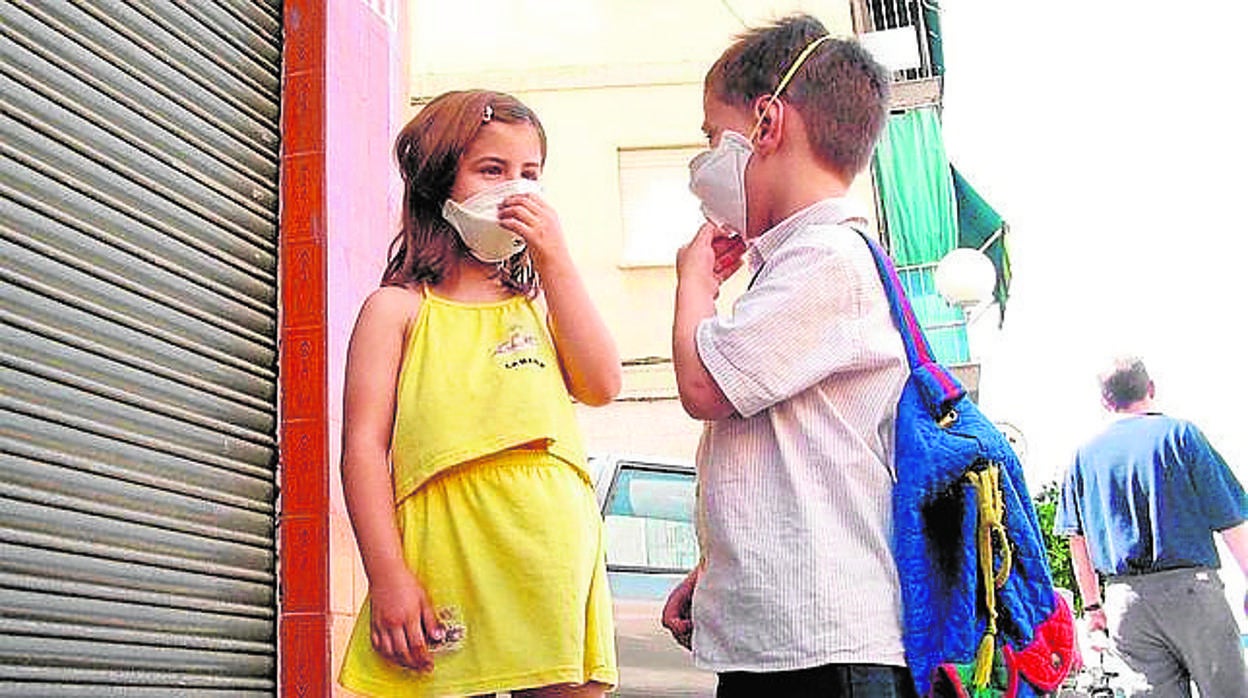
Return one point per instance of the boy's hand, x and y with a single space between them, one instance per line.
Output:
709 258
677 612
729 249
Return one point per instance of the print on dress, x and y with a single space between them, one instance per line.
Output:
520 349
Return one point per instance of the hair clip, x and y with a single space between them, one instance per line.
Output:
488 114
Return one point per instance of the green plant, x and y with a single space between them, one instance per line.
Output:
1058 547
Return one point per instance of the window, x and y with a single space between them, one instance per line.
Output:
902 34
660 213
649 520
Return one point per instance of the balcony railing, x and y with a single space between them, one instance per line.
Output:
901 35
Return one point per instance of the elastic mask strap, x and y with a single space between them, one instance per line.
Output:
784 82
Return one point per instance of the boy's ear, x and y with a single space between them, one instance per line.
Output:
769 114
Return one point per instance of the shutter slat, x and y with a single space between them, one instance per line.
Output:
17 682
136 275
91 648
67 364
53 516
77 408
204 60
160 174
38 299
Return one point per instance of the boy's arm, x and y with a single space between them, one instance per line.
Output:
696 288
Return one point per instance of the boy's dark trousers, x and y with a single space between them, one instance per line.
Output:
827 681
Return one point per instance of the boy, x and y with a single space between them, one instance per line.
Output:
797 592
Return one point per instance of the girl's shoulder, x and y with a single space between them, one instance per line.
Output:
395 306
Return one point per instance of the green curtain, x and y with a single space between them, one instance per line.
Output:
978 223
916 187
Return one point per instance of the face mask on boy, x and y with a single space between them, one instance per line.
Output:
717 177
476 220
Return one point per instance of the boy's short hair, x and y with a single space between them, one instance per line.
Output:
840 90
1124 382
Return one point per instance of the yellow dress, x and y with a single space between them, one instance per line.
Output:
497 516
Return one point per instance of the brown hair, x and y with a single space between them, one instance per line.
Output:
428 150
840 90
1125 382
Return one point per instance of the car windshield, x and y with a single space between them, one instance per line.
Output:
649 520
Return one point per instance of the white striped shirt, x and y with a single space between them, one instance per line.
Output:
794 495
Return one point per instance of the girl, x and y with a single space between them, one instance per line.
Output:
462 465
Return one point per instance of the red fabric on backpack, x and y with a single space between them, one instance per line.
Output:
1053 652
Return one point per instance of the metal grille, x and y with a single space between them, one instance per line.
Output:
138 231
880 15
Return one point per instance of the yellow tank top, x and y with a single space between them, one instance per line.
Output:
477 379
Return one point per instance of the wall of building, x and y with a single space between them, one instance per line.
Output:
365 95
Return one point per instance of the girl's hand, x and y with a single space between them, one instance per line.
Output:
530 217
403 622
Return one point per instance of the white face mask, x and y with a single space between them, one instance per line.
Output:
476 220
717 178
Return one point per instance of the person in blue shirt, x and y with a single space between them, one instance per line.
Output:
1140 503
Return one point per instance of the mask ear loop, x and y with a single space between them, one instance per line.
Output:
784 81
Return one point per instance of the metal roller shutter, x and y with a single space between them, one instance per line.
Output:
138 325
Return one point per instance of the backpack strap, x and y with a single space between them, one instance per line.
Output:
938 387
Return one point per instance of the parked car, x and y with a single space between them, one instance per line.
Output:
647 509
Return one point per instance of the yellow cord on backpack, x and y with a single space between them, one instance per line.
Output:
991 508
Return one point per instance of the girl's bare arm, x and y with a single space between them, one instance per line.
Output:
401 612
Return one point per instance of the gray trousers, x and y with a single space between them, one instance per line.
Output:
1174 628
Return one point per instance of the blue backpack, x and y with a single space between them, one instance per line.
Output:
980 614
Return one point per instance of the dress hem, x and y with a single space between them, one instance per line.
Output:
513 682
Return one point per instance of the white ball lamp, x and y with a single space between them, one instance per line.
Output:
965 277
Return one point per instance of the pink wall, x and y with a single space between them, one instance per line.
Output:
365 94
